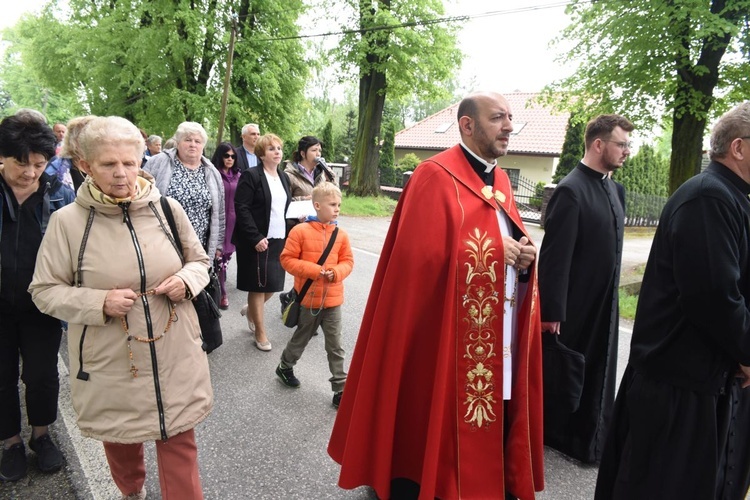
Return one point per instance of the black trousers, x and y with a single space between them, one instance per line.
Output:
34 338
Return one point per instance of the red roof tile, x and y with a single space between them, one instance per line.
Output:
542 134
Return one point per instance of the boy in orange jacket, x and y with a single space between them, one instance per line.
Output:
321 306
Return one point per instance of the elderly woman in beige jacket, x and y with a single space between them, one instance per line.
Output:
109 267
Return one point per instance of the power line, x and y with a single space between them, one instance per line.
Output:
426 22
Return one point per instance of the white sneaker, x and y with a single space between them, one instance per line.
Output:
250 323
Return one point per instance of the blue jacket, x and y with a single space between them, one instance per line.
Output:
55 195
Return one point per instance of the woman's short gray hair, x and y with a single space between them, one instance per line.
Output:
106 130
186 129
71 143
733 124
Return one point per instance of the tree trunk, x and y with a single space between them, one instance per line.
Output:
364 179
694 96
372 89
687 149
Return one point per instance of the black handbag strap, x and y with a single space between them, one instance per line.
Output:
321 261
172 225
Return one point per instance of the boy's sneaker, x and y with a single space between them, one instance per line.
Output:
13 463
337 398
48 457
287 376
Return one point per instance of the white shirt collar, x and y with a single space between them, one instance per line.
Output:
488 166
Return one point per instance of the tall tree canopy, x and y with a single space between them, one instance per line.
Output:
160 62
20 87
398 51
573 147
640 56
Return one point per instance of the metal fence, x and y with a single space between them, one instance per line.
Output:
643 209
528 196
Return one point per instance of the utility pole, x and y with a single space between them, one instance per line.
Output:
227 80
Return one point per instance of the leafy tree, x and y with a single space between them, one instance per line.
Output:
397 52
160 62
573 147
21 85
638 56
346 142
646 181
326 137
646 173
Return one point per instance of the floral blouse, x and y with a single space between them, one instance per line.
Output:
190 189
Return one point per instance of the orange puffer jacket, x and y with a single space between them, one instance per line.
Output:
304 246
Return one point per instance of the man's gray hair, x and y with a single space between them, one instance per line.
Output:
733 124
246 128
152 139
186 129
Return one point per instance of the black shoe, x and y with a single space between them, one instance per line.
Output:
337 398
287 376
13 463
48 457
284 299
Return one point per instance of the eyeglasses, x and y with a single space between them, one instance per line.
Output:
622 145
227 155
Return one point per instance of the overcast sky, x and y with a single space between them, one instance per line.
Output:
506 42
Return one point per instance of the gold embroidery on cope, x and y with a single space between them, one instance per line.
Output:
479 303
498 195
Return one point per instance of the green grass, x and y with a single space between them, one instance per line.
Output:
628 303
368 206
639 232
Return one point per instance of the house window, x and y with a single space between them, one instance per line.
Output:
443 128
513 173
517 127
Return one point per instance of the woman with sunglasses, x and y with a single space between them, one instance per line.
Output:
225 160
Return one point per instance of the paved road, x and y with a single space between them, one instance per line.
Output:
263 440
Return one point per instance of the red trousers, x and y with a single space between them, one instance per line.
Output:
178 467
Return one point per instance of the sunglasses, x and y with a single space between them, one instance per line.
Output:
227 155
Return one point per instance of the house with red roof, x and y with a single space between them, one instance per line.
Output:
533 151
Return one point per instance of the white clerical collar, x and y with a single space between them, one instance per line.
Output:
489 167
604 176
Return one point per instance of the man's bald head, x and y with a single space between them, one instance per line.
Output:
469 105
484 122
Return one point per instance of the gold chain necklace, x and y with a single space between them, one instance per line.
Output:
146 340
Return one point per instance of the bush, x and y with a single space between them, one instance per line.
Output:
536 200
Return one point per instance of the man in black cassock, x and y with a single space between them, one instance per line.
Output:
681 419
579 271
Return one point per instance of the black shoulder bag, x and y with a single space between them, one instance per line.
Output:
205 305
290 301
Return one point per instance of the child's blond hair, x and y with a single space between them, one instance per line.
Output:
324 190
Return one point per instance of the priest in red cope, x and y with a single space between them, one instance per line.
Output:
444 393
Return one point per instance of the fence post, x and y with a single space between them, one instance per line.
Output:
405 178
548 190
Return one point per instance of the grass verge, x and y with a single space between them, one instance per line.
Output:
628 304
367 206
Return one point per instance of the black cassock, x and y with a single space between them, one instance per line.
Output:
681 423
579 272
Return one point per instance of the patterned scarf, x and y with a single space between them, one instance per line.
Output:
142 189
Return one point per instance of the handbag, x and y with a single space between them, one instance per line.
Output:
563 375
290 310
205 302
